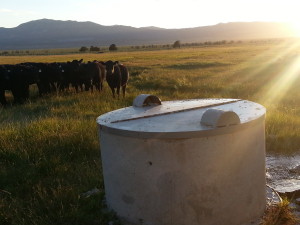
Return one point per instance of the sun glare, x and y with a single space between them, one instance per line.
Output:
282 84
295 26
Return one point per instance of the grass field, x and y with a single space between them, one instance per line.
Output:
49 150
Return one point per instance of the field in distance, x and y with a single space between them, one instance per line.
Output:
49 146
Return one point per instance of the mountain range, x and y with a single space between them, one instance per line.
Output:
46 33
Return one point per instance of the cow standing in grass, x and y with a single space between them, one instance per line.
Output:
91 75
16 78
116 76
71 75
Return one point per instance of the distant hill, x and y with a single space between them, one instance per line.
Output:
47 33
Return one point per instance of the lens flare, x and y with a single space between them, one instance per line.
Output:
295 26
281 85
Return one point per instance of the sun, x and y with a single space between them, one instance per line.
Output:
295 26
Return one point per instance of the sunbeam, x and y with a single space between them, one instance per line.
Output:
278 53
280 86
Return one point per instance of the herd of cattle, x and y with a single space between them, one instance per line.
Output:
56 77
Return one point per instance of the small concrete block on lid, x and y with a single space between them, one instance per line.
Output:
219 118
146 100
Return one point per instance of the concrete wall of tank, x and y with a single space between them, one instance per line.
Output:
207 180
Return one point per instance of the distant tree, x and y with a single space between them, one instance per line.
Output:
94 49
83 49
208 43
176 44
112 47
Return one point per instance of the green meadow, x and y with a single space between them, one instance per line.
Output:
49 149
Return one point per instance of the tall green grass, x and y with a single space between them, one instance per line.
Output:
49 155
49 150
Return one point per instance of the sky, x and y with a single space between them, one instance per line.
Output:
143 13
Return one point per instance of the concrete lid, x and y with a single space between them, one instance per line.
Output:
180 118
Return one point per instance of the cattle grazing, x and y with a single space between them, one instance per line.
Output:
117 76
71 75
4 84
91 75
48 77
103 73
17 79
51 77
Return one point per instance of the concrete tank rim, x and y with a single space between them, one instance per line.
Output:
181 135
102 119
111 123
109 126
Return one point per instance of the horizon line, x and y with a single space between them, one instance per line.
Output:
280 22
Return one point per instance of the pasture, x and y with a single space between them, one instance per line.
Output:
49 150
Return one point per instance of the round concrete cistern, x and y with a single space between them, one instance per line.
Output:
198 161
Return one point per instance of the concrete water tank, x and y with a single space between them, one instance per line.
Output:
188 162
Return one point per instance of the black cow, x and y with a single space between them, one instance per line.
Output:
90 75
70 74
17 79
4 83
47 76
103 75
117 76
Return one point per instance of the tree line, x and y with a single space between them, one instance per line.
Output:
113 47
176 44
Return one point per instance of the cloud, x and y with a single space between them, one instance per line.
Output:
6 10
12 18
18 12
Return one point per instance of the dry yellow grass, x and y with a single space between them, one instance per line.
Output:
49 151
